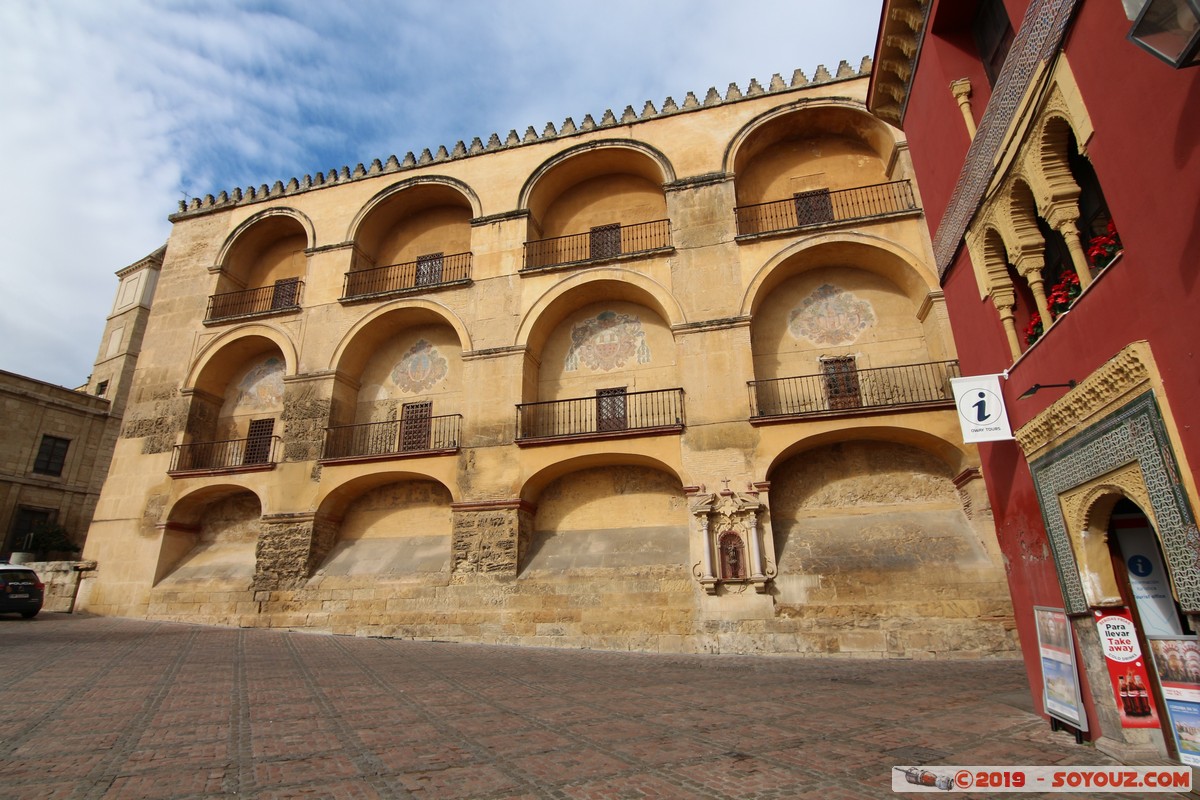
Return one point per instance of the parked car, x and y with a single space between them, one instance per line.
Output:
21 590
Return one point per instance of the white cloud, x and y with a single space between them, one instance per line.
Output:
114 111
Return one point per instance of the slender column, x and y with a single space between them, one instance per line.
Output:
1063 214
1070 232
708 556
755 550
961 89
1004 304
1038 287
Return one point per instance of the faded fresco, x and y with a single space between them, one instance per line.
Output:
831 316
421 368
607 342
261 389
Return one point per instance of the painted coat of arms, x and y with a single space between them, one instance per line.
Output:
420 368
830 315
606 342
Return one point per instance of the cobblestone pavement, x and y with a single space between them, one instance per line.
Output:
109 708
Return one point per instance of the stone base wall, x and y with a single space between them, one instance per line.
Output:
61 579
652 609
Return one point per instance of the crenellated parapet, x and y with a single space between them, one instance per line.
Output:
569 128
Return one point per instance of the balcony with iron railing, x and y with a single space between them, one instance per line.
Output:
822 207
427 272
232 455
848 391
610 413
280 298
370 441
602 243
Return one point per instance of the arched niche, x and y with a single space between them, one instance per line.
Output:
835 311
617 518
808 147
872 528
390 525
406 353
211 536
566 298
888 260
956 457
600 183
266 248
605 344
414 219
237 388
531 488
847 297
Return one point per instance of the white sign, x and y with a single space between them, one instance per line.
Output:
1118 639
1148 580
981 408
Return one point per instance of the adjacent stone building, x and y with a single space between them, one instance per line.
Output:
51 458
57 442
673 380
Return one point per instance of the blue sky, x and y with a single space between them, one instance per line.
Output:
114 111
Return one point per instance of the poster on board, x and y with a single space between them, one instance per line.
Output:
1060 679
1178 661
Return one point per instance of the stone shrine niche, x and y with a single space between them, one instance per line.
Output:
733 551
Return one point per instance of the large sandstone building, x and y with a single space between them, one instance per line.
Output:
674 380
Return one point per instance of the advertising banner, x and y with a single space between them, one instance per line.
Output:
1126 668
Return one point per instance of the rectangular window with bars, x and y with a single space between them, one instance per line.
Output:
415 424
813 207
605 241
611 411
285 293
258 442
429 269
841 382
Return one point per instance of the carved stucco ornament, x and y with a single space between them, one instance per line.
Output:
728 524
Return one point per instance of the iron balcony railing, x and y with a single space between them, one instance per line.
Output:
610 411
822 206
284 295
598 244
255 451
434 270
842 390
393 437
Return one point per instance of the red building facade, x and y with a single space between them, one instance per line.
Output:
1059 167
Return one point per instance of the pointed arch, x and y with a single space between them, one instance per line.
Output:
825 115
609 283
266 216
187 509
216 361
863 251
531 487
355 346
648 162
431 181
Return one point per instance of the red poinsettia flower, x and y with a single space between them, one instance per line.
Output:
1103 249
1034 330
1063 293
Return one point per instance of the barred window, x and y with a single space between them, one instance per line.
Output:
52 455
